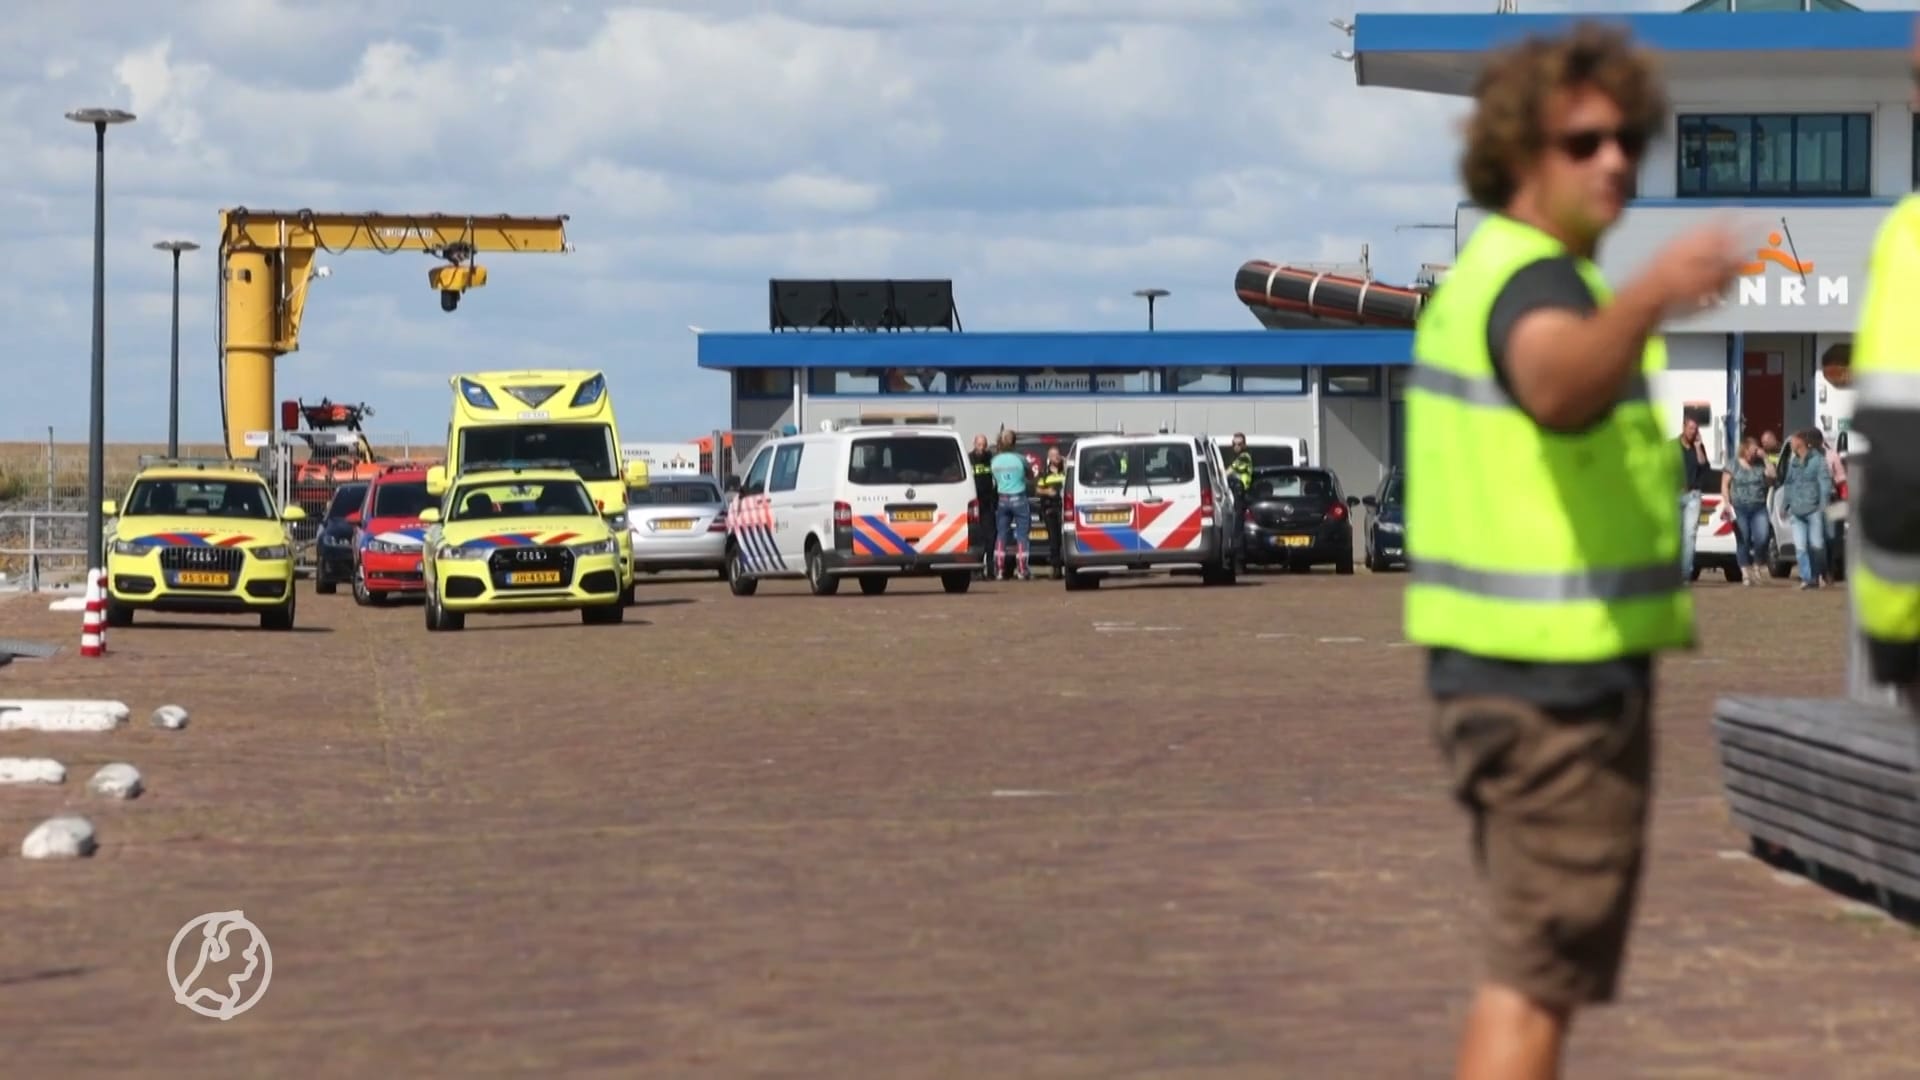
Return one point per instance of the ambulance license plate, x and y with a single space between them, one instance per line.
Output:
203 578
534 577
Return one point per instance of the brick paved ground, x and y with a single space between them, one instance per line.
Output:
754 836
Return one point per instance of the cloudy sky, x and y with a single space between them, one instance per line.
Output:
1049 156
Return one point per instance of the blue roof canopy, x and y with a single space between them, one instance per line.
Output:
1442 53
1021 351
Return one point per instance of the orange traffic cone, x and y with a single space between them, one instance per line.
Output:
93 625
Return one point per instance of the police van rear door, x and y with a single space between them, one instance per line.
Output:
909 491
1164 481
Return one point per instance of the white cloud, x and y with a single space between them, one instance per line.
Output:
1048 155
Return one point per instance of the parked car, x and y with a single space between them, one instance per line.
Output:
1146 503
1386 523
678 523
333 546
1299 519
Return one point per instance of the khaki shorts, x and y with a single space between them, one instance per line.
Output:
1559 799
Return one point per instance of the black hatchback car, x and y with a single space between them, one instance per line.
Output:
333 548
1298 518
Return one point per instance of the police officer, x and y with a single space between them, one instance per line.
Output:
1530 389
1051 483
1884 474
981 538
1240 462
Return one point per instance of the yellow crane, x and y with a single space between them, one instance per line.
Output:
266 260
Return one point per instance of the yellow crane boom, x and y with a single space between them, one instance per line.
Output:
266 259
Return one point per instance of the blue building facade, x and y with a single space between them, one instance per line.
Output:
1338 389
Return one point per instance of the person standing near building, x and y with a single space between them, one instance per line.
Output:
1529 395
1693 469
1806 489
1744 487
982 538
1239 462
1050 485
1013 513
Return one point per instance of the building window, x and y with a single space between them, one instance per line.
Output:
1050 381
984 382
1273 380
764 382
1776 154
843 381
914 381
1200 380
1350 382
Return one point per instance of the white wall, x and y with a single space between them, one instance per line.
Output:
1886 99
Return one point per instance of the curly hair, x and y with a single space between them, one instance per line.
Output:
1508 126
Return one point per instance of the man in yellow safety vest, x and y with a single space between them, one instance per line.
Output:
1884 482
1530 390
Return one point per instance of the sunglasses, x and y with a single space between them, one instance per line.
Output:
1581 145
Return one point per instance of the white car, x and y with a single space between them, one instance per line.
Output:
1147 503
870 503
678 523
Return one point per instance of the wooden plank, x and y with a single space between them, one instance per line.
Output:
1870 775
1811 848
1737 763
1879 848
1882 734
1852 818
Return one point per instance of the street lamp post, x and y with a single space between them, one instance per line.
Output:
173 378
97 420
1150 295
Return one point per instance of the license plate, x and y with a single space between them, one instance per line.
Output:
1109 517
534 577
682 524
202 577
1037 534
909 515
1294 541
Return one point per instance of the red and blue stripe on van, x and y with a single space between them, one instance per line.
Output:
1151 527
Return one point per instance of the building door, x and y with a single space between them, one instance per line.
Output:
1763 394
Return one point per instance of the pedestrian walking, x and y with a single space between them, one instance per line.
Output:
1529 396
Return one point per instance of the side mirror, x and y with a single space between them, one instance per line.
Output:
353 518
1368 500
733 484
109 507
1353 500
293 513
437 480
430 515
637 474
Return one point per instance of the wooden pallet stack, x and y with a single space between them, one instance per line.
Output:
1834 783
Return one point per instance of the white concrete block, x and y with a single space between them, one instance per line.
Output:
69 603
18 770
171 717
116 781
63 837
76 715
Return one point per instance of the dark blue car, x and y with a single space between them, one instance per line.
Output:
1386 527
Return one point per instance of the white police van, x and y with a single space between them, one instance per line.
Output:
1138 503
868 502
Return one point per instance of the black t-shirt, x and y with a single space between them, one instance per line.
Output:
1692 469
1548 283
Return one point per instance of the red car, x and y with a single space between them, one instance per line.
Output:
391 537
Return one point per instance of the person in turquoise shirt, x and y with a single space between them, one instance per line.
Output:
1011 478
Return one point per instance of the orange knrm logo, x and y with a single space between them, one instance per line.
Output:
1772 254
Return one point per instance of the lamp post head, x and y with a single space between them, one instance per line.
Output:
1151 294
176 246
100 116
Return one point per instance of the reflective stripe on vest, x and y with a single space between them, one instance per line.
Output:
1486 391
1527 544
1885 585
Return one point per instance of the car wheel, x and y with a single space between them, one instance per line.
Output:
605 615
738 582
325 586
818 580
1732 574
118 614
1077 581
957 581
873 584
279 618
